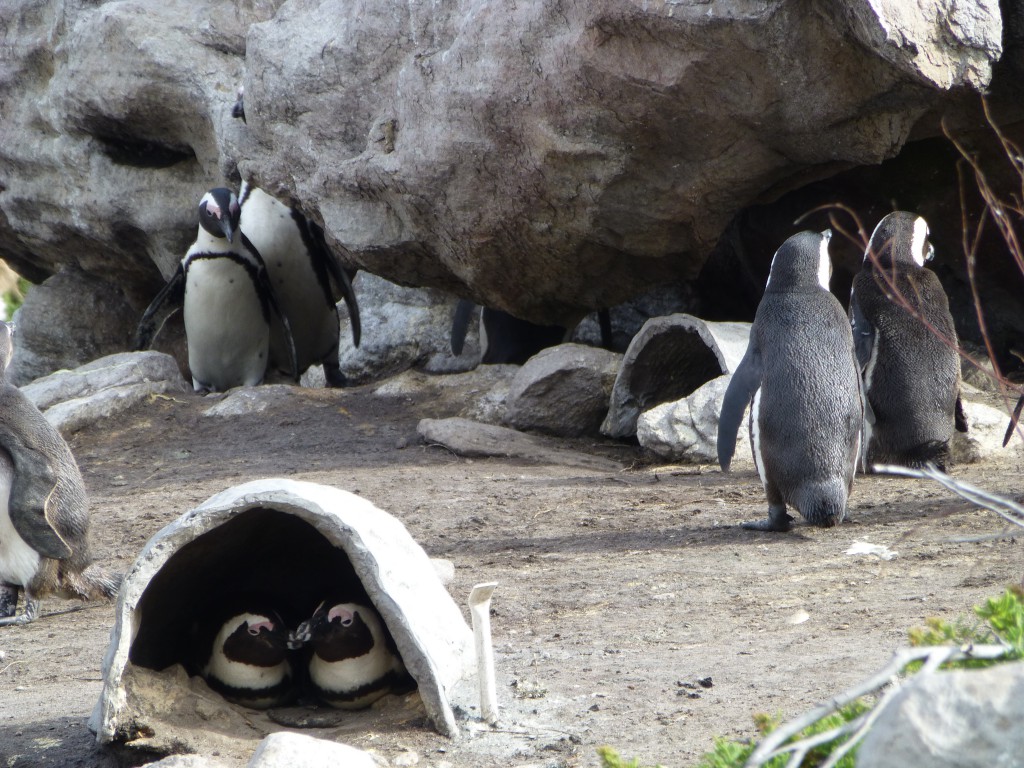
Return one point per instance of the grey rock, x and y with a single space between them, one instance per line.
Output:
104 388
563 390
243 401
958 719
984 437
473 439
118 370
402 328
687 430
71 319
667 360
479 395
297 750
540 159
429 630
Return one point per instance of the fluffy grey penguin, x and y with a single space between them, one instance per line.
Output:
228 301
799 376
353 660
906 346
248 659
44 518
301 269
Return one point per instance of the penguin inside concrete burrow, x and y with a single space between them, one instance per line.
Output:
228 302
247 661
507 339
907 348
301 269
44 512
351 658
799 376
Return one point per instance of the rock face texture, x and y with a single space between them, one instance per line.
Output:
545 159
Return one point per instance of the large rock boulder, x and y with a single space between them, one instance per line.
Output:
545 159
961 719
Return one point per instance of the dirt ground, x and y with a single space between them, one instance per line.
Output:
631 608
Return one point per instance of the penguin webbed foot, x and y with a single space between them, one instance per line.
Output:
8 600
30 614
299 636
778 521
335 378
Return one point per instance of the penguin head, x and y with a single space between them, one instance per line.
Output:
6 345
801 263
900 238
258 639
342 631
219 213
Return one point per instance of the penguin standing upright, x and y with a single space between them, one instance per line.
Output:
247 662
227 300
353 660
300 268
906 346
44 517
799 376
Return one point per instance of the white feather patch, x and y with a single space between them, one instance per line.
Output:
18 561
824 261
919 243
755 436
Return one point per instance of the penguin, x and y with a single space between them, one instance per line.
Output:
506 339
248 661
44 513
300 268
799 376
906 347
227 299
352 660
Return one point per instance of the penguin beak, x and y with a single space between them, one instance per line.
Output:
227 229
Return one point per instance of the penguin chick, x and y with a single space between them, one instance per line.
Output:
907 348
44 517
799 376
248 661
353 661
301 269
228 300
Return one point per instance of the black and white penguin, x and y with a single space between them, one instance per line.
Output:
228 301
44 517
301 269
906 346
506 339
248 660
353 660
799 376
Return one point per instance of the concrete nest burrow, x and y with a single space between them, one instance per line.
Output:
291 543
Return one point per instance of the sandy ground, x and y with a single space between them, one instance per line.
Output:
631 608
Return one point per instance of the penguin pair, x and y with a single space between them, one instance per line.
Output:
239 308
506 339
800 377
906 347
44 515
342 656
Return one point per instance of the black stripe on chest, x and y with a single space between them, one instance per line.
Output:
251 270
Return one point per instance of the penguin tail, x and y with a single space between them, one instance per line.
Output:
93 583
823 503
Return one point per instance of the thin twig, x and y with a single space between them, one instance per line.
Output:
1006 509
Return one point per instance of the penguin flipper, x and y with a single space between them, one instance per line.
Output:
148 328
31 499
743 385
863 331
960 415
341 278
460 324
1013 420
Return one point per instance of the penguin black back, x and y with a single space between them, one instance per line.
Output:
799 377
906 346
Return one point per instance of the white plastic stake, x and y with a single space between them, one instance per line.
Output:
480 610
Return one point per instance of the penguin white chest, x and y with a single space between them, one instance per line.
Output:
226 329
18 561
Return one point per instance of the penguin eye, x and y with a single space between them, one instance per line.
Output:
347 621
